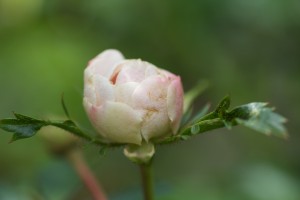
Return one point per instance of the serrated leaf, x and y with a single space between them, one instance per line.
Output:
22 127
25 127
256 116
261 118
223 106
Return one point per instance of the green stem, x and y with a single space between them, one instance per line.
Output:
147 181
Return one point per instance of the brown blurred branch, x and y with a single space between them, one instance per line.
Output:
84 172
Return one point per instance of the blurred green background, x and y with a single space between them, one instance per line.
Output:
249 49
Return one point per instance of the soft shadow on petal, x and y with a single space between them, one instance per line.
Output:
119 122
151 98
151 93
104 90
155 124
123 92
175 103
90 94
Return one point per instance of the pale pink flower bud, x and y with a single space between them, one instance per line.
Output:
129 101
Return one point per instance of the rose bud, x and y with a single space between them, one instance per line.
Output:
130 101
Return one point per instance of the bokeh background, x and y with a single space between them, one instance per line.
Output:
248 49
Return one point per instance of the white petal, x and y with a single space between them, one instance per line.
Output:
90 94
175 103
151 97
151 93
104 90
134 71
151 70
105 63
167 74
123 92
119 123
91 113
156 124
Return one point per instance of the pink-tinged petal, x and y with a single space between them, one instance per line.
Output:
105 63
175 103
151 94
90 94
119 123
91 111
156 124
123 92
133 71
151 98
151 70
104 90
167 74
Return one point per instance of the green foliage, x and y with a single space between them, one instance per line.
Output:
25 127
261 118
22 126
256 116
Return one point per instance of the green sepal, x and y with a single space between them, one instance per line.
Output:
63 104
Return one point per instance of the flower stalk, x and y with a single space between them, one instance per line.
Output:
147 181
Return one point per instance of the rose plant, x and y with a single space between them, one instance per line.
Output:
136 105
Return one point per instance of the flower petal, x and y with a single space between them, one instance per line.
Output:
123 92
151 93
151 98
90 94
175 103
104 64
104 90
134 71
155 124
119 123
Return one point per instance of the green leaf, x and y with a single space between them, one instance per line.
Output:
192 94
256 116
260 118
223 106
22 127
25 127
